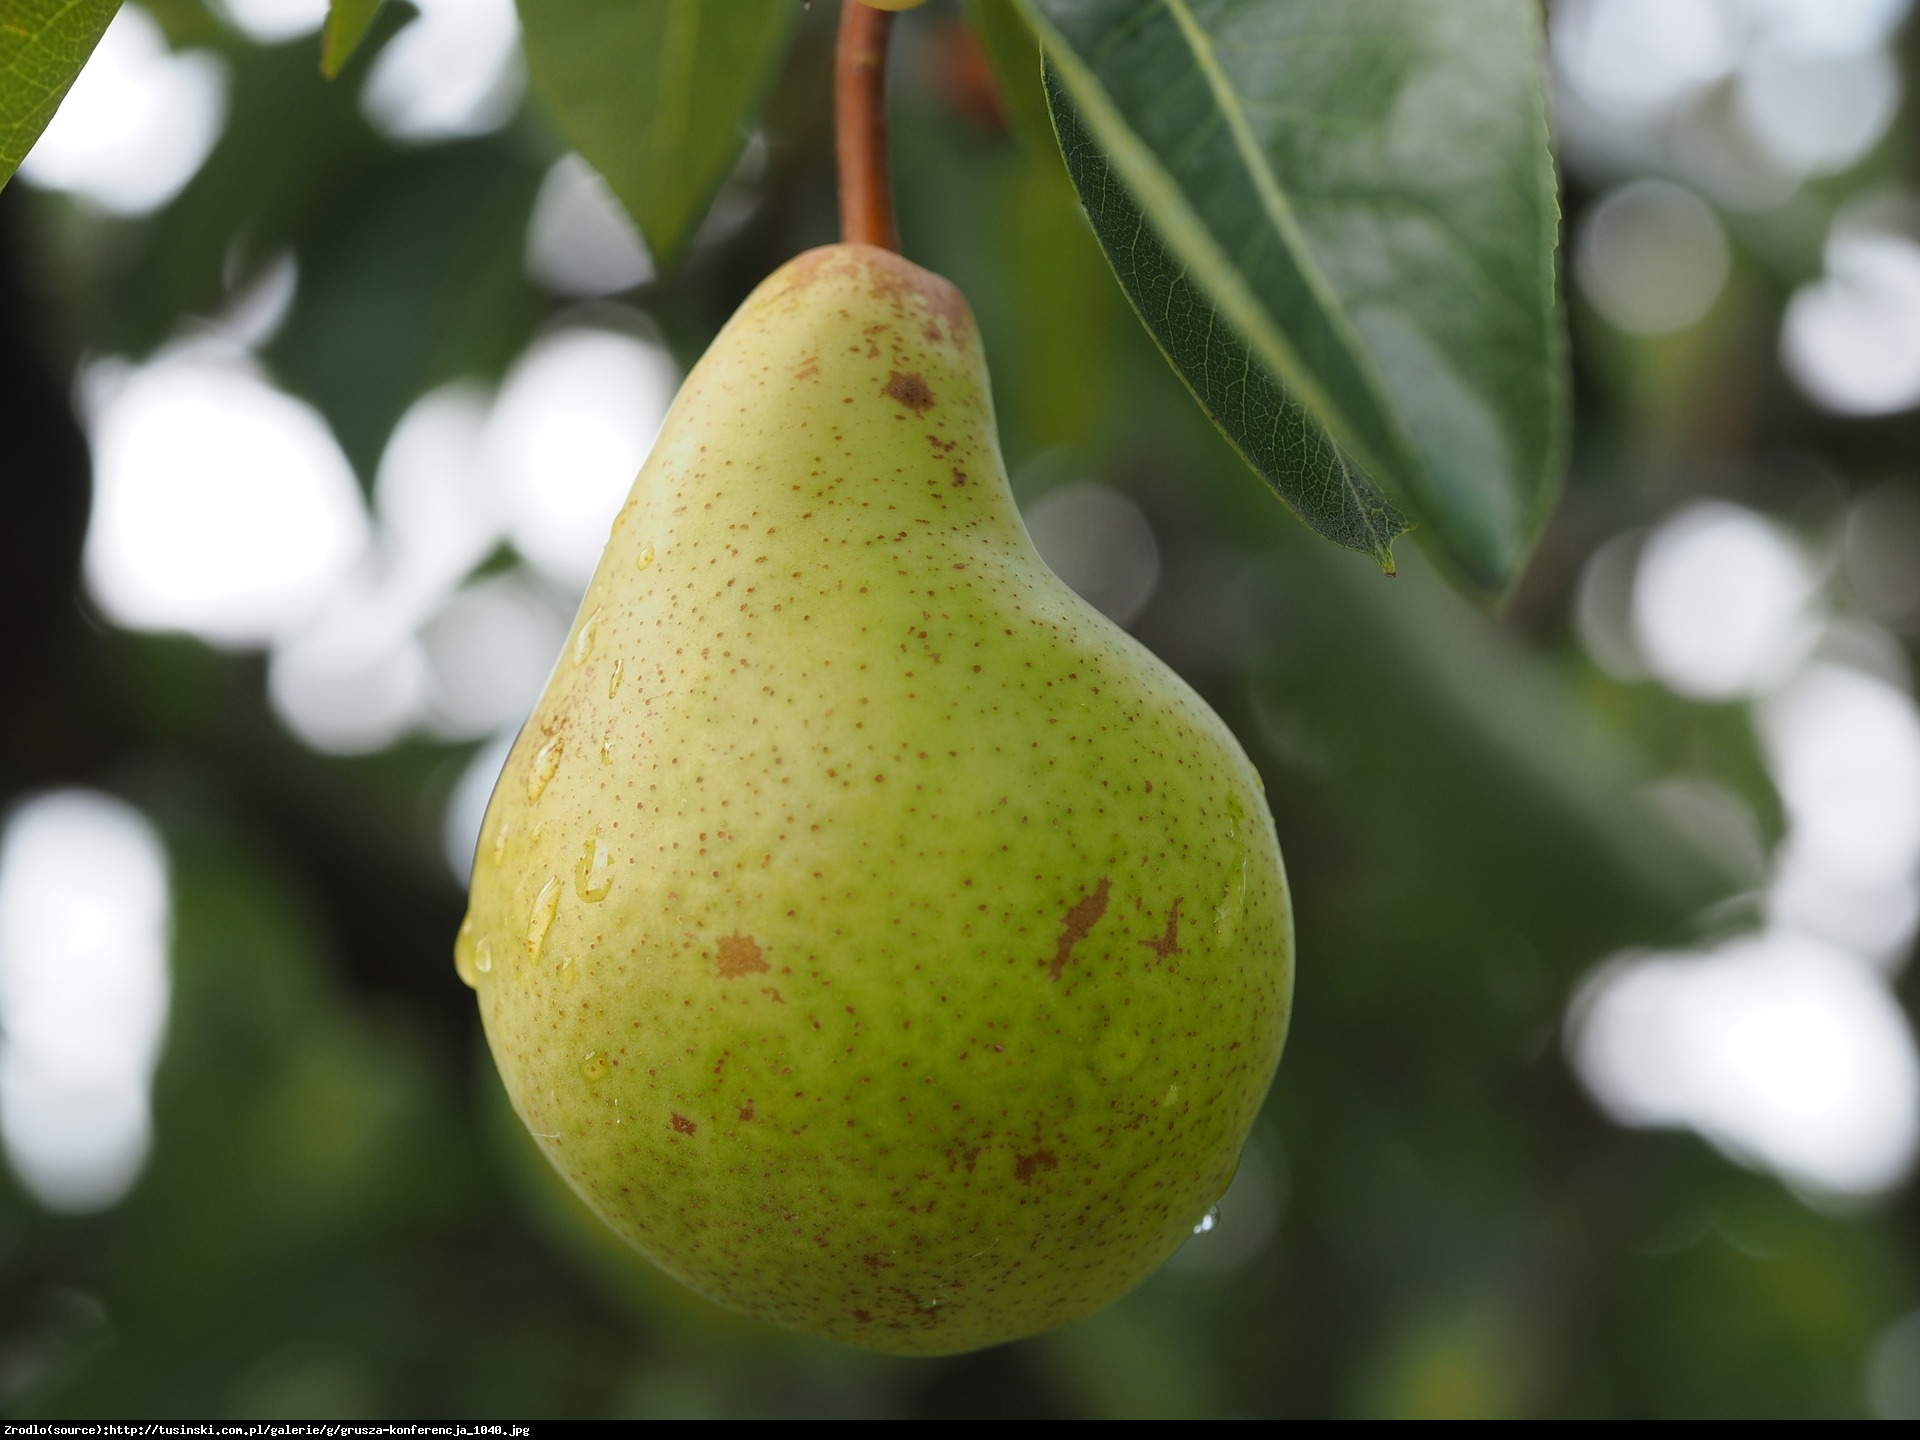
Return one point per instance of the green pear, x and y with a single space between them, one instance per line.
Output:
878 938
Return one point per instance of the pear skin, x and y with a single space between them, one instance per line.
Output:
877 937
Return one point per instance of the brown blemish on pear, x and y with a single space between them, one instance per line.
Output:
910 390
736 955
1081 918
1169 941
1025 1166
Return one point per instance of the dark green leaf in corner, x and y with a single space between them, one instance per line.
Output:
1341 222
347 24
658 95
43 44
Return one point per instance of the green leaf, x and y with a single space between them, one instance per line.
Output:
1272 432
43 44
1339 222
658 95
347 24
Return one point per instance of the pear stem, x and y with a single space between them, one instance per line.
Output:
860 127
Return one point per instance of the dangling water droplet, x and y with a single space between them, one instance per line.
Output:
594 1067
583 642
1208 1220
541 916
500 841
463 956
546 760
593 874
646 557
483 956
613 680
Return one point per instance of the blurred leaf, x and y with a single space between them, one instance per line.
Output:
43 44
1356 207
417 281
1016 64
347 24
1532 810
659 95
295 155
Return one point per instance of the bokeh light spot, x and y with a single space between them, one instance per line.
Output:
570 430
1851 340
137 124
1722 602
1652 257
1099 542
222 506
455 71
1784 1053
84 931
580 242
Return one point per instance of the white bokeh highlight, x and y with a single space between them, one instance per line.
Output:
85 921
137 124
1785 1048
1744 100
1819 114
1783 1052
1651 257
357 678
1851 340
580 242
454 71
1843 747
1100 543
1722 602
222 506
272 22
1642 56
466 808
489 652
572 426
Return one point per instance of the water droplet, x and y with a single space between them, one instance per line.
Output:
500 841
593 874
613 680
483 956
569 973
546 760
1173 1094
541 916
646 557
583 642
463 956
606 752
594 1067
538 831
1208 1220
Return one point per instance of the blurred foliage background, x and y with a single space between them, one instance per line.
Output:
1596 1103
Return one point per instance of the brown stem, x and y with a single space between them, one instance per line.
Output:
860 127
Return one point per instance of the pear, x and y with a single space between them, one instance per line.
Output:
878 938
